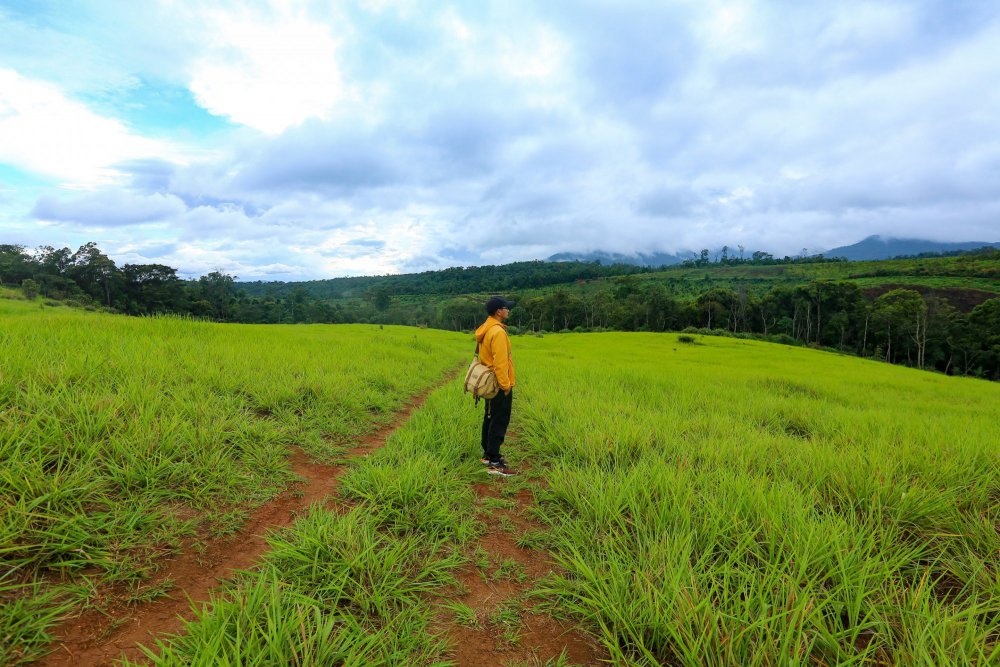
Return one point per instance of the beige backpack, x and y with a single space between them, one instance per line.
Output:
480 380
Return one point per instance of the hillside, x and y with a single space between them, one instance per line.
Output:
127 440
693 486
929 312
871 248
877 247
639 258
456 280
974 270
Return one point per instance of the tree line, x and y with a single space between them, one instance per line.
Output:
454 280
901 326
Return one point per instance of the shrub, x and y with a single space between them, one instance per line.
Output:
30 288
784 339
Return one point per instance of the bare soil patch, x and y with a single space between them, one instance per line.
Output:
102 637
539 637
962 298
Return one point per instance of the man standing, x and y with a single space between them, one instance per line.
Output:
494 351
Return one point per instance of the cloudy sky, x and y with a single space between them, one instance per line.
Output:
287 140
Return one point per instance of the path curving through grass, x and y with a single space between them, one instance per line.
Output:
115 633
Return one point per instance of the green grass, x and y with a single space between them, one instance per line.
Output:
743 503
509 569
27 613
463 613
561 660
121 436
334 590
12 302
731 502
506 618
358 588
968 272
493 505
532 539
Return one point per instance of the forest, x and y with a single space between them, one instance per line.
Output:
899 325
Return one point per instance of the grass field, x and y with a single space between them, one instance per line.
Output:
971 272
121 436
964 272
734 502
357 588
718 502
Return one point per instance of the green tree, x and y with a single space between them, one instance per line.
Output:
716 306
52 261
95 273
943 322
900 320
153 288
30 288
462 314
379 296
15 265
984 322
601 308
218 291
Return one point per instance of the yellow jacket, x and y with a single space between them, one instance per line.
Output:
494 351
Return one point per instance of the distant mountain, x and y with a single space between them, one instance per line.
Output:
638 259
871 248
876 247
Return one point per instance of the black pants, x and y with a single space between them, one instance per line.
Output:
495 421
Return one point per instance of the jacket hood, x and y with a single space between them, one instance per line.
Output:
486 326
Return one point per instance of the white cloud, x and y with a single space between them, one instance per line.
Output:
269 71
45 132
729 28
382 136
109 208
539 55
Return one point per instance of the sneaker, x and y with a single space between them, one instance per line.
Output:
485 461
500 468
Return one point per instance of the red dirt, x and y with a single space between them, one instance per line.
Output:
105 636
962 298
541 636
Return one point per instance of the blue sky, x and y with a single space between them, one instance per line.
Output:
288 140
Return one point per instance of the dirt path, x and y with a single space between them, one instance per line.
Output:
506 631
102 637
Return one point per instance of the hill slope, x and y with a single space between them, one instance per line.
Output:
877 247
698 496
765 505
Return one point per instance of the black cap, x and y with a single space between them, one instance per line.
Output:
496 303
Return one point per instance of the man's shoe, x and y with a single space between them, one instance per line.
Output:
500 468
485 461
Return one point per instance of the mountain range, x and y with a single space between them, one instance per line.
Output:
871 248
876 247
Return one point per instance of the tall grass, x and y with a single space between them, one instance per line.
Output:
735 502
724 502
117 435
355 589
